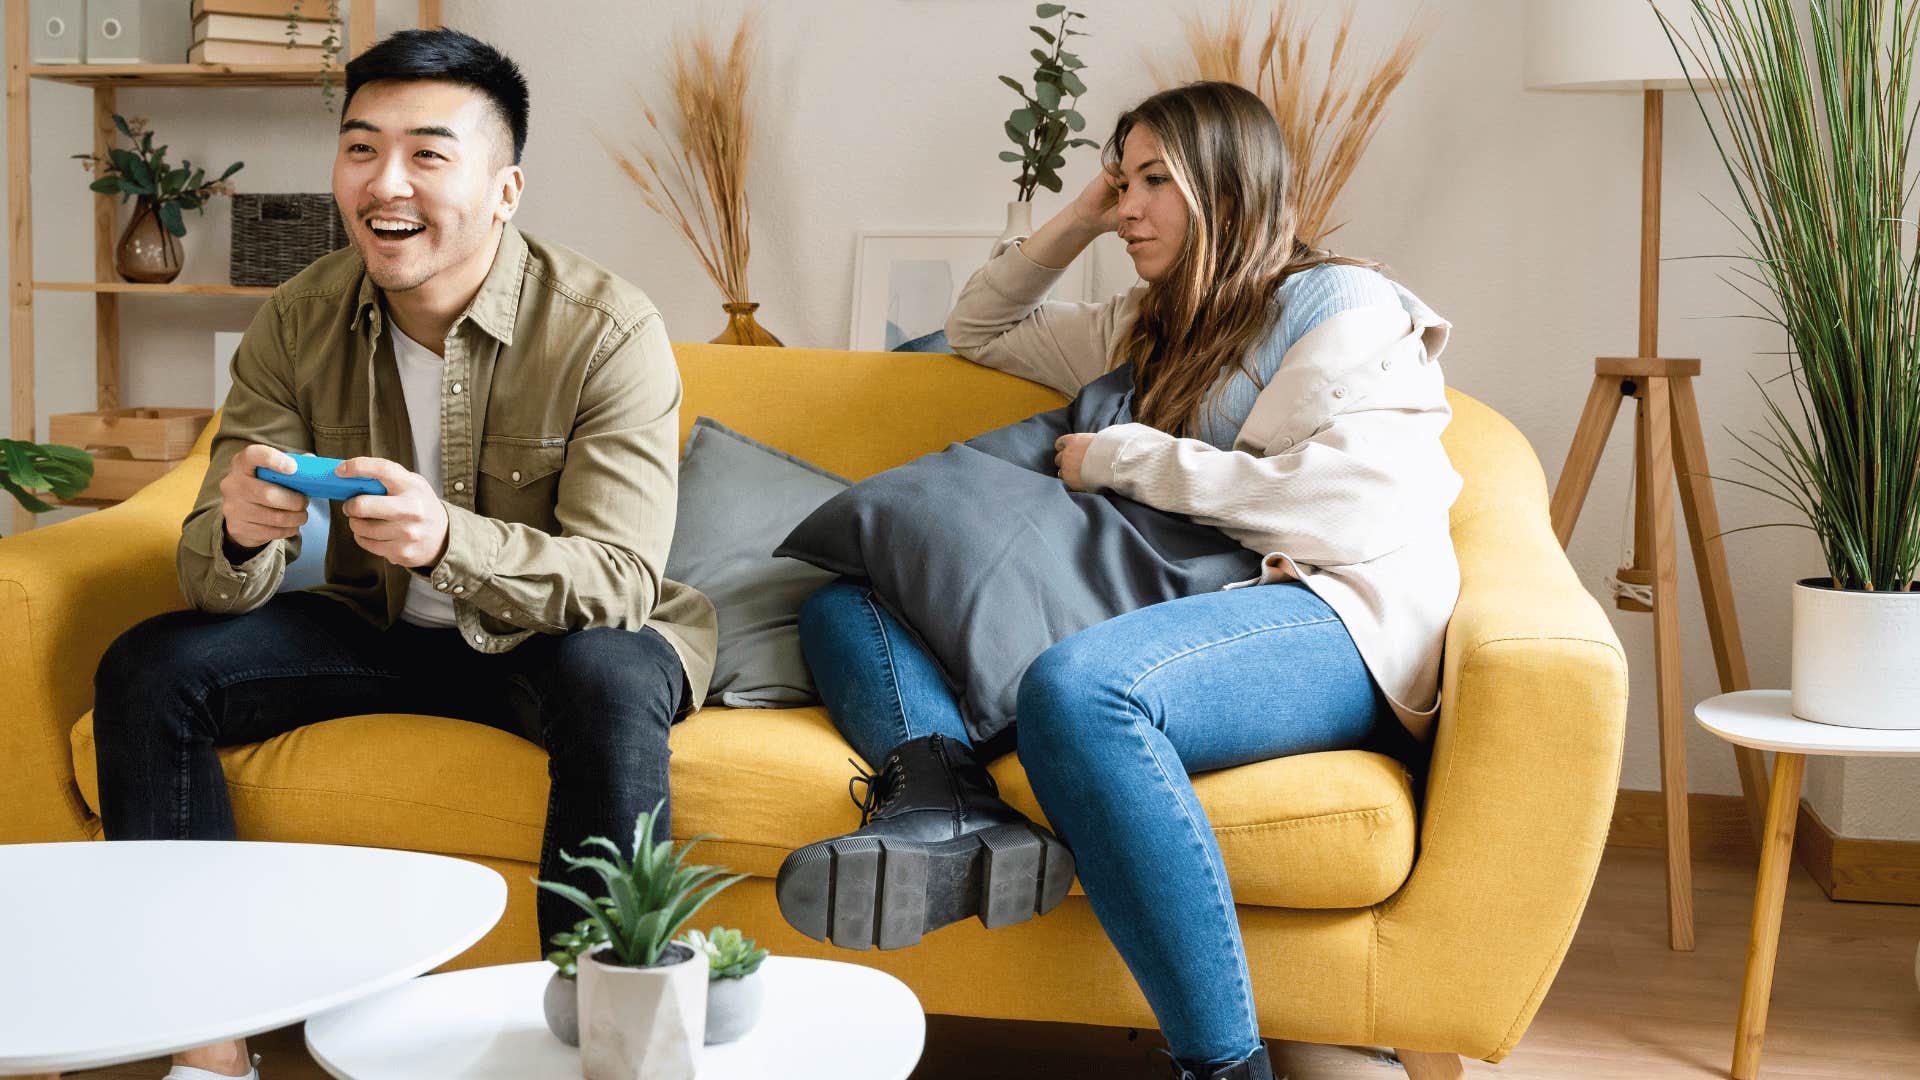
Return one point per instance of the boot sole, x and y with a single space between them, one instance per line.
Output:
862 892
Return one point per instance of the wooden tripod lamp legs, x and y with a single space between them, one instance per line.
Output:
1668 444
1716 588
1657 451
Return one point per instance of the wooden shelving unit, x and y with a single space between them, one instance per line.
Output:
105 80
175 289
230 75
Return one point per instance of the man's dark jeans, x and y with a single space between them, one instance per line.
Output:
177 686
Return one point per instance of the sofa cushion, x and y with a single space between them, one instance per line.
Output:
1036 561
738 497
1333 830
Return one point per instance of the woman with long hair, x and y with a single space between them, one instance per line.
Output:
1286 397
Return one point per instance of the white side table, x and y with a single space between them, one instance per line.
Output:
1764 720
822 1020
119 951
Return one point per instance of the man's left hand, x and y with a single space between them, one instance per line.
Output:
1069 452
408 525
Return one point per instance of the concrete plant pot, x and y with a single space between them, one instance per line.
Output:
561 1003
733 1006
642 1023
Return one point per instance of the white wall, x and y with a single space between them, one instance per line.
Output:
1514 213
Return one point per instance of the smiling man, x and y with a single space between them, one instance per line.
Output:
520 406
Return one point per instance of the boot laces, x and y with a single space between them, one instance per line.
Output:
878 788
1176 1071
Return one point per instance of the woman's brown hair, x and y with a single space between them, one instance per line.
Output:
1223 150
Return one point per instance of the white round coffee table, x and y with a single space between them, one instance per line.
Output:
823 1020
119 951
1764 720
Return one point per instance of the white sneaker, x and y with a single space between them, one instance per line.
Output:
188 1072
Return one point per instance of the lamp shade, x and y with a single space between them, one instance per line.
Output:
1616 45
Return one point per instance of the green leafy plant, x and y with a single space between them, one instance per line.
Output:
1042 125
569 944
27 467
648 899
145 172
329 48
1815 132
730 954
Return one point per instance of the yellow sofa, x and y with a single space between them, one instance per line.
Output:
1368 920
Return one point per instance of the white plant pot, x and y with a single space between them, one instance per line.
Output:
733 1007
642 1023
1856 656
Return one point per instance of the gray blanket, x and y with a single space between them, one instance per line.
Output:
989 558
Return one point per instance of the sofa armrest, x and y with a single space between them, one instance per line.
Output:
1525 768
66 592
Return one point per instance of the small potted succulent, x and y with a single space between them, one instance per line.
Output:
734 987
562 999
643 996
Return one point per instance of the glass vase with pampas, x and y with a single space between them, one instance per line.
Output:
702 189
1328 104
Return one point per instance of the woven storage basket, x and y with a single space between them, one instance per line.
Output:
276 236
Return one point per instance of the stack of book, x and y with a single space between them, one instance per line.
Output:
259 32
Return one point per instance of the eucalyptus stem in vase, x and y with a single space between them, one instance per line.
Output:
1044 124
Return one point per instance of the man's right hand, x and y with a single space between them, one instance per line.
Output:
256 511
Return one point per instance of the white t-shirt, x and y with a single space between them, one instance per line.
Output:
421 370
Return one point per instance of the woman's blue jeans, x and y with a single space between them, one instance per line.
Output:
1110 722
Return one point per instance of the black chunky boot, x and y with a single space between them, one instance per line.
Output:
1255 1066
936 844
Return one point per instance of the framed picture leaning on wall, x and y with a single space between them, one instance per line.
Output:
905 283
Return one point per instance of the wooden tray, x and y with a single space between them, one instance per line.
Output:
159 435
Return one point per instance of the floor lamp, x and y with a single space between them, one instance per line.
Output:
1619 46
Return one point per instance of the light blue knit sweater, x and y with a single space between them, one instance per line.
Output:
1306 299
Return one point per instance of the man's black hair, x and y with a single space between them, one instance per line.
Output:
446 56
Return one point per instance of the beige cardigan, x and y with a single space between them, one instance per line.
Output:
1337 477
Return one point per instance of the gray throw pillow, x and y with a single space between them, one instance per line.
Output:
738 499
990 560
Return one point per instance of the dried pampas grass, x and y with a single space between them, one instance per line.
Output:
702 190
1328 110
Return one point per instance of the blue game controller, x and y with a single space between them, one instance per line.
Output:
315 478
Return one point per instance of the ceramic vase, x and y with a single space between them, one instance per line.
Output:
1019 223
642 1023
1856 656
561 1003
733 1006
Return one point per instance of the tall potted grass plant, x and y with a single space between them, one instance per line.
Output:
1814 122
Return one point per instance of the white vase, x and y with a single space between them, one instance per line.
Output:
1856 656
733 1006
642 1023
1019 222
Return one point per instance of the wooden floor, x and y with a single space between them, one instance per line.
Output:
1624 1007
